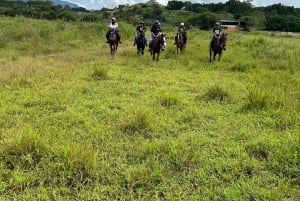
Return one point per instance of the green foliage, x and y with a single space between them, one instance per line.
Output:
217 93
288 23
138 122
168 100
258 99
279 17
100 73
78 124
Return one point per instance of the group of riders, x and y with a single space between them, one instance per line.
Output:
156 30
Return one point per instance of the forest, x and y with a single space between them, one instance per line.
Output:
276 17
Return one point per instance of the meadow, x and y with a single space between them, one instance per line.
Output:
79 124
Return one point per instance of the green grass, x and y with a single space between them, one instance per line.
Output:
79 124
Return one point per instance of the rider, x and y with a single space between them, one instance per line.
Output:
140 30
155 30
217 31
113 26
182 28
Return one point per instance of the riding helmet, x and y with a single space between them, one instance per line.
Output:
156 22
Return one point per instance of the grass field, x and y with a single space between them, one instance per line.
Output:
78 124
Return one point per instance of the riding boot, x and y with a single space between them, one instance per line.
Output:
107 37
118 37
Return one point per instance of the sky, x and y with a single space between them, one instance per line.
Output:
98 4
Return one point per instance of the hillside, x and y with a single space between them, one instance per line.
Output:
59 3
79 124
275 17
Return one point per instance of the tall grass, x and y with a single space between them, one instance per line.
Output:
78 124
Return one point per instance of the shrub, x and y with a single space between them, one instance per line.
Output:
139 122
258 99
168 100
26 150
216 93
100 73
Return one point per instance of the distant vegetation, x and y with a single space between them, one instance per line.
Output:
78 124
275 17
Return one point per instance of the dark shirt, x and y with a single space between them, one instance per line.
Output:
155 29
217 31
141 28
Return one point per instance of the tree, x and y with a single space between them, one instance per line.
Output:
175 5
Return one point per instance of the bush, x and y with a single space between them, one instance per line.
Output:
258 99
216 93
100 73
168 100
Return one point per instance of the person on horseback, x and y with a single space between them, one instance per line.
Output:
182 28
140 31
156 30
113 26
217 31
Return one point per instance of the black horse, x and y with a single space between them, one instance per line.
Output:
156 45
140 43
216 46
113 42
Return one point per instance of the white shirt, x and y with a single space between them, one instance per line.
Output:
113 27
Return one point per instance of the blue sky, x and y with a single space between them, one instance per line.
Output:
98 4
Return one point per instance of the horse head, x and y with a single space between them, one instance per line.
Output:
223 39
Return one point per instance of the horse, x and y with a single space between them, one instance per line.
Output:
141 43
156 45
180 42
113 42
217 46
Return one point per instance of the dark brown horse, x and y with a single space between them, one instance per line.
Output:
216 46
113 42
180 42
156 45
141 43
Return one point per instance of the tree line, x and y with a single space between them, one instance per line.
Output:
276 17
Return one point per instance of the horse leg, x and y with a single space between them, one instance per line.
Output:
210 55
220 56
